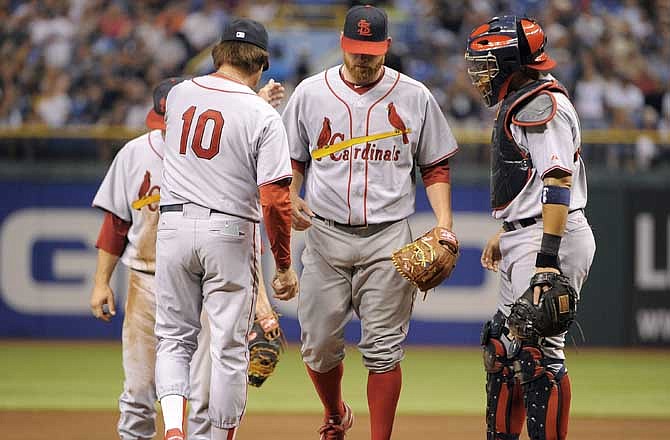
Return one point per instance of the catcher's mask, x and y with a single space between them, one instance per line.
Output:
501 47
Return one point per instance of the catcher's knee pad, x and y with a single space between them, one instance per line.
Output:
546 394
504 404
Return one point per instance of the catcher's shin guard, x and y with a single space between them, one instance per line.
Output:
546 394
504 403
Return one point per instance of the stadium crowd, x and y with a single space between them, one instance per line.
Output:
94 61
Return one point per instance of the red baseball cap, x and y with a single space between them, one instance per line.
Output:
156 117
365 31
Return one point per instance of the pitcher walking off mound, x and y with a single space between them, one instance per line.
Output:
224 146
356 132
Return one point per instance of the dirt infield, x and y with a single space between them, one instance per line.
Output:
100 425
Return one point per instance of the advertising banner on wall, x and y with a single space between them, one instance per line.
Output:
649 322
48 256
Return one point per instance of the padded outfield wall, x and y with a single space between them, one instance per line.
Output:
47 261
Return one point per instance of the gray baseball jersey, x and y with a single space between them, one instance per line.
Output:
232 137
371 181
554 146
129 191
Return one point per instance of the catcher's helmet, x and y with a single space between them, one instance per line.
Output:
501 47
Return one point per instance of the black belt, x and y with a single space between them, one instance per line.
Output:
172 208
518 224
525 222
180 208
362 230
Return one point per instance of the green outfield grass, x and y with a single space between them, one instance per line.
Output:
435 381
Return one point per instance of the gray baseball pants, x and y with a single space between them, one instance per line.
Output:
206 260
519 249
346 273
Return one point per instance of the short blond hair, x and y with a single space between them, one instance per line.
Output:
245 56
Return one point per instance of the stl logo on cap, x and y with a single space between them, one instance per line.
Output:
364 28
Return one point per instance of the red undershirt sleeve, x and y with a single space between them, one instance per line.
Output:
276 203
113 236
298 166
438 173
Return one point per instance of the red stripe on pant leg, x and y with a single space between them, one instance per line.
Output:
501 410
550 428
566 396
184 413
518 410
231 434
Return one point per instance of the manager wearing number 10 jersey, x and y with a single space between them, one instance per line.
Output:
226 148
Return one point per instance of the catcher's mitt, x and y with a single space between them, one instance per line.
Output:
266 344
428 260
553 315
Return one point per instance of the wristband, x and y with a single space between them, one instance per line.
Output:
550 244
546 260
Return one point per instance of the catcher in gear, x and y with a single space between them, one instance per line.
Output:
266 340
545 246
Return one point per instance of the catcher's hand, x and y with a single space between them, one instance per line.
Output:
551 315
428 260
266 344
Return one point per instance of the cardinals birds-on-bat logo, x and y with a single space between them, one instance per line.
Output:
147 195
397 122
324 135
144 187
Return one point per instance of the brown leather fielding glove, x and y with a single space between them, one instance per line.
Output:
266 344
428 260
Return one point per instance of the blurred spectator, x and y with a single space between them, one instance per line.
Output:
624 99
10 111
203 27
590 96
52 30
54 104
645 147
261 10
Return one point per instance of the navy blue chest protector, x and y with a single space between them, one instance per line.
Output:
511 165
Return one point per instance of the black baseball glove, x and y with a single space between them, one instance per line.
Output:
553 315
266 344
